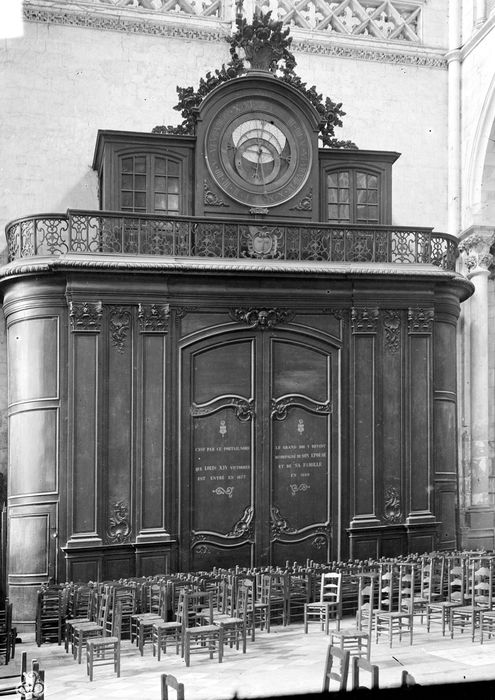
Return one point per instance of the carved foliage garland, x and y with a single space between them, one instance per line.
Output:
392 509
391 326
85 316
119 324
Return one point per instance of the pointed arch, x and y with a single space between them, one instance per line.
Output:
476 167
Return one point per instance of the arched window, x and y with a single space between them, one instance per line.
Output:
353 196
150 183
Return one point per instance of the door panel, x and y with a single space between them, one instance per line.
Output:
258 449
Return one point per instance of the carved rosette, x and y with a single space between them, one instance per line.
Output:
154 318
278 524
364 320
319 542
420 320
477 251
391 507
202 551
262 318
119 529
119 324
391 327
85 316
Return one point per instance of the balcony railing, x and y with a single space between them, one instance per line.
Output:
92 232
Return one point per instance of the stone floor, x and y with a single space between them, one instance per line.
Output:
284 662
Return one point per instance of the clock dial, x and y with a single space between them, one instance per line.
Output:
258 152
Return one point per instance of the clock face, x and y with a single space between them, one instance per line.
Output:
258 152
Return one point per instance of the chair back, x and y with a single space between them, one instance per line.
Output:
359 663
117 621
366 601
331 587
169 681
334 673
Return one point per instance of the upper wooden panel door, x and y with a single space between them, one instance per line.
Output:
259 448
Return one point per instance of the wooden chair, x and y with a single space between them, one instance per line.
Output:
357 640
398 621
329 604
83 610
255 613
479 592
169 681
298 595
331 673
361 664
105 650
438 611
203 637
272 591
84 631
49 615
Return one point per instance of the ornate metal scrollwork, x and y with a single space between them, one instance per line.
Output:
120 323
364 320
119 530
278 524
420 320
391 510
280 407
154 318
262 318
85 316
391 325
262 242
243 408
243 527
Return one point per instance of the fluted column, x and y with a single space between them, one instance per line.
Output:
478 260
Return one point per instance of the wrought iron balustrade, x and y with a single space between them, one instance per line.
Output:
97 232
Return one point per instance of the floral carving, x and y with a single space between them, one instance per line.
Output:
477 250
202 551
119 530
391 325
154 318
306 202
319 542
210 199
391 510
278 524
120 323
243 527
85 316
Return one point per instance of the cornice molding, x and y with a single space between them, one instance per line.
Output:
173 25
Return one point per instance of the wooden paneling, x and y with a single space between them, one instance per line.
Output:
33 451
363 433
419 422
86 412
32 543
33 359
152 441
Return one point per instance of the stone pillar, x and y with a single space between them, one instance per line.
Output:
480 12
454 119
478 499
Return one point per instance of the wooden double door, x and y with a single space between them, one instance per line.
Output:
259 449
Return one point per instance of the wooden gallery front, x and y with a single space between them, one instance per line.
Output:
236 360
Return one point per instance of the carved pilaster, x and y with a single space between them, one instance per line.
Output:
154 318
364 320
85 316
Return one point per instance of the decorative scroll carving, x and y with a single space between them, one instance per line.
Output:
197 538
391 325
280 407
306 202
154 318
477 250
120 323
244 408
278 524
258 211
220 491
295 488
210 199
85 316
391 510
244 526
262 318
181 311
364 320
420 320
319 542
202 551
119 530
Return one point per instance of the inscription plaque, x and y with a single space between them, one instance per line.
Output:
221 471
